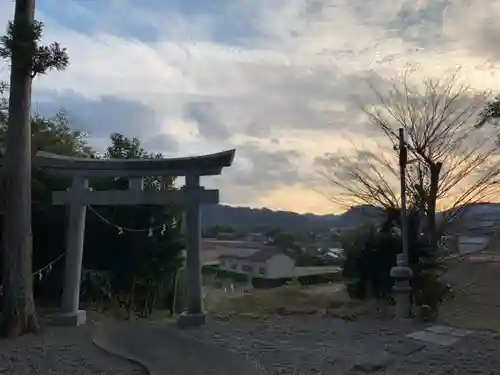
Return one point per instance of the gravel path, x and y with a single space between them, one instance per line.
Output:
164 349
60 351
314 345
286 345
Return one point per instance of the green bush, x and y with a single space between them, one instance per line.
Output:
233 276
356 289
261 283
369 258
427 287
371 254
210 270
96 286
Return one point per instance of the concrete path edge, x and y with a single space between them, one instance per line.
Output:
102 342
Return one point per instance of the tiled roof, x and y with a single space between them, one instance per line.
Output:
239 253
209 243
212 249
264 254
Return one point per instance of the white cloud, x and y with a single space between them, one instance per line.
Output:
295 80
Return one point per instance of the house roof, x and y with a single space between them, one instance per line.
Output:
255 255
212 249
212 243
264 254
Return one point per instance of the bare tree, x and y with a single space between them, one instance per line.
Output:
27 58
453 162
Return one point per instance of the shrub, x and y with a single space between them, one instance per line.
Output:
369 258
427 287
370 255
356 289
96 286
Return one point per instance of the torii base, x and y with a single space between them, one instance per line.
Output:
188 320
72 319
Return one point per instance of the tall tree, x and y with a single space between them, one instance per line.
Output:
453 160
28 58
149 272
490 114
4 103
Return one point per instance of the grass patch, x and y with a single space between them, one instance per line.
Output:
95 314
319 270
295 300
476 295
106 312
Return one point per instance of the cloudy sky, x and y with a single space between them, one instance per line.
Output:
279 80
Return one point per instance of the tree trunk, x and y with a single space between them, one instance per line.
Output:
435 171
18 313
131 301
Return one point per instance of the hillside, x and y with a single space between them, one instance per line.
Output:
253 219
484 215
478 218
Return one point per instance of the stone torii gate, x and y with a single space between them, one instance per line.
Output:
191 196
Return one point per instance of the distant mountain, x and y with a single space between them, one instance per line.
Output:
476 217
360 215
255 220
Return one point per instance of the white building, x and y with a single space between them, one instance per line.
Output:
265 262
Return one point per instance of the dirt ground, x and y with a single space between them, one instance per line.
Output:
476 284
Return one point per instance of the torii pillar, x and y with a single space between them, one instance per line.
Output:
194 315
70 314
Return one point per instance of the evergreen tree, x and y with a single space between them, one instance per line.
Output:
28 58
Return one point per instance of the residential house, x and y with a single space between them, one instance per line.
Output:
213 248
260 261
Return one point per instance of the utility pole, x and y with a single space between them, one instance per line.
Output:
18 313
402 273
403 161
